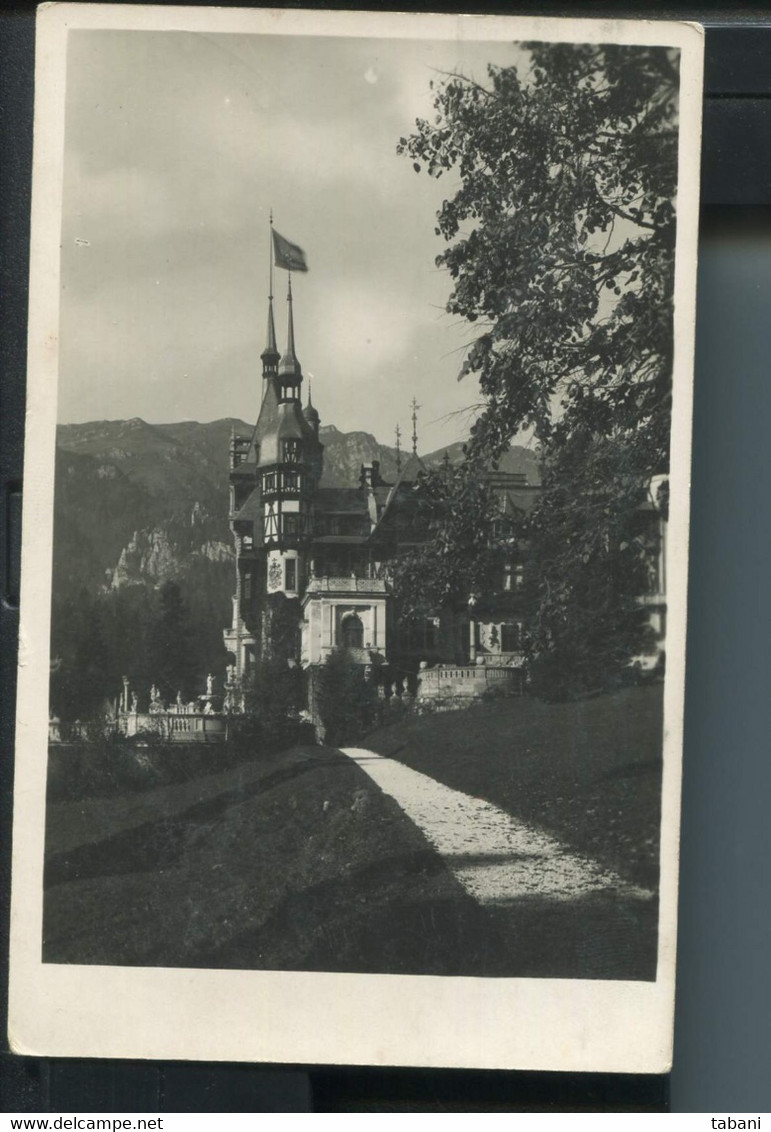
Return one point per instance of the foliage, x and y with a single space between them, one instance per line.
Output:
467 542
282 618
560 243
170 661
83 673
561 237
171 637
590 545
272 698
346 699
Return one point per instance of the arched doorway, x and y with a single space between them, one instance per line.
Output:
352 631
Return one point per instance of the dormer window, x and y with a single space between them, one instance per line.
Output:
291 452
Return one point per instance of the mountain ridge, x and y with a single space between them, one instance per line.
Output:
139 502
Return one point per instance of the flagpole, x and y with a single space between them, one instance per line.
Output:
270 257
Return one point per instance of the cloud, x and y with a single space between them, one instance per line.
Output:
364 328
177 145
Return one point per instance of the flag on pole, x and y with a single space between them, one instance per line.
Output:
288 255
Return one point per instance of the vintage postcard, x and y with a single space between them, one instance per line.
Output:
355 538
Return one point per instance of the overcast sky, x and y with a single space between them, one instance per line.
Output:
177 145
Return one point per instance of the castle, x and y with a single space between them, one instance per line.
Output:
327 550
324 552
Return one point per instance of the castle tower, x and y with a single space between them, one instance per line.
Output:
288 470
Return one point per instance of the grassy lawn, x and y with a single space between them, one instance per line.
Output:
296 861
588 772
290 862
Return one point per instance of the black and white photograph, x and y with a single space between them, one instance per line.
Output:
355 538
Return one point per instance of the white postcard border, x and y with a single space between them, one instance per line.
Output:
300 1017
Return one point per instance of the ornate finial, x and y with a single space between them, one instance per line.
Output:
415 407
398 449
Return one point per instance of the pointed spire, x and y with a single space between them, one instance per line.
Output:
415 407
289 364
310 412
270 355
271 349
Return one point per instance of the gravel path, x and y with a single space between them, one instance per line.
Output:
494 856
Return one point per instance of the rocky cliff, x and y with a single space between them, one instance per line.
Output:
141 503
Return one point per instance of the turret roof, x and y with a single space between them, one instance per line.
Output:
270 353
289 364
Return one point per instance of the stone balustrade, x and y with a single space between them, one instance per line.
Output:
468 681
175 726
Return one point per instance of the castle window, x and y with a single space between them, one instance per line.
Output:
291 523
511 637
352 632
271 523
290 574
291 451
291 480
269 481
513 577
247 587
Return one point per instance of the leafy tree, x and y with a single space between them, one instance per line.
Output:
561 237
465 550
80 679
273 693
282 618
172 663
560 243
346 699
587 567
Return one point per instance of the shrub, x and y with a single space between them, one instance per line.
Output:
346 699
272 698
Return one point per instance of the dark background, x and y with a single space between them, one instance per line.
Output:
723 1010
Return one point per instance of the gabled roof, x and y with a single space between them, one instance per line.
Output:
245 468
341 500
251 508
404 481
411 470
